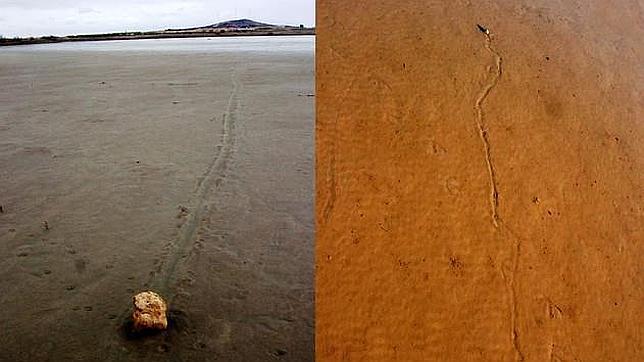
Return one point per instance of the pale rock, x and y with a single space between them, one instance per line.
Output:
149 312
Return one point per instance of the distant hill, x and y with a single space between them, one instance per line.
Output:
240 27
240 24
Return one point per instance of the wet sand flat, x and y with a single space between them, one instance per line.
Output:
479 198
189 173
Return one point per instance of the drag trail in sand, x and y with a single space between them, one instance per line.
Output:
478 194
508 272
180 166
208 183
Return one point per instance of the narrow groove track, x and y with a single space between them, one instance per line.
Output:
161 279
213 176
497 221
483 132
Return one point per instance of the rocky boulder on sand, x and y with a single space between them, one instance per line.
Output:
149 312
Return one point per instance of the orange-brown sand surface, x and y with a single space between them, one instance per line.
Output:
479 197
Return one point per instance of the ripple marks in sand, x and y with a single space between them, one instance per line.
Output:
213 176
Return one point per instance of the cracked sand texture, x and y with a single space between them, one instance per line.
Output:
409 266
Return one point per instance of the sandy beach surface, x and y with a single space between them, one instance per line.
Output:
181 166
479 196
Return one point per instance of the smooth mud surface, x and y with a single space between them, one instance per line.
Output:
188 173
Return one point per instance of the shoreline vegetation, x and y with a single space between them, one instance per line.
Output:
242 27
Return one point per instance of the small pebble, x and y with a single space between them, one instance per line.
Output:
483 30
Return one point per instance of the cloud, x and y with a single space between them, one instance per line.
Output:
86 11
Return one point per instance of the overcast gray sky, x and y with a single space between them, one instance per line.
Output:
63 17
